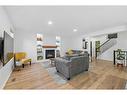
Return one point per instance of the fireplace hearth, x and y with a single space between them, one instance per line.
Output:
49 54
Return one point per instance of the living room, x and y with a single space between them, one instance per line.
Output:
84 35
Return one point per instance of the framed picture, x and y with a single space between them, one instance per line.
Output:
84 44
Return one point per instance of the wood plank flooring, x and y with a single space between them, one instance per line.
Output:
101 75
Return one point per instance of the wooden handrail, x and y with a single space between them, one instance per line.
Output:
100 47
103 44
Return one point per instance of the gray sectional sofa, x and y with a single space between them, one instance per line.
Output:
70 66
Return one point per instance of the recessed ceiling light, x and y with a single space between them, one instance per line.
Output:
75 30
50 22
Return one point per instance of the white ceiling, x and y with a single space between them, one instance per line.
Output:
86 19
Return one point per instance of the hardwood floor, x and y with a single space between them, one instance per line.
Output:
101 75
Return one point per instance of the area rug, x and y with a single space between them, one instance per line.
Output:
58 78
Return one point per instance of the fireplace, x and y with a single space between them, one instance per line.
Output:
49 54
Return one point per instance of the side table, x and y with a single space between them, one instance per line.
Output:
52 62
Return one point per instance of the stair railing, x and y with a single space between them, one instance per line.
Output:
98 48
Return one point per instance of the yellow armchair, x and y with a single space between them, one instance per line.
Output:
21 57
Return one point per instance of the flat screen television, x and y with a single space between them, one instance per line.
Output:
1 51
6 48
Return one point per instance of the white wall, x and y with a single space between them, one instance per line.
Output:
49 39
76 43
70 43
5 25
66 43
4 21
25 41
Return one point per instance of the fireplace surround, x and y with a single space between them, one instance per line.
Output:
49 51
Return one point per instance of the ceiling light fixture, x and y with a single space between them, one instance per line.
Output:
50 22
75 30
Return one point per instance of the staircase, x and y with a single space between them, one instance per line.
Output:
105 46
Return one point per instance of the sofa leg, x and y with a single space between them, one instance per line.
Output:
57 71
86 70
30 62
68 78
23 65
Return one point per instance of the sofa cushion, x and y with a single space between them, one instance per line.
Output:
77 51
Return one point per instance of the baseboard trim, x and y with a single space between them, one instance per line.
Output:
11 67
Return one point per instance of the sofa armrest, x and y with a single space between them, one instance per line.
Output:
63 66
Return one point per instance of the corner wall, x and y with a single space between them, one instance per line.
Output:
5 71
